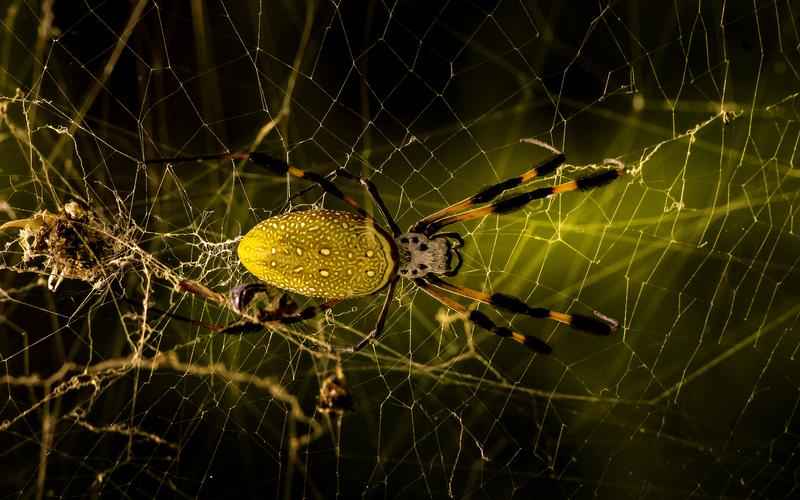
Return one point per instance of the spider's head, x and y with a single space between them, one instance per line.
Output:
421 255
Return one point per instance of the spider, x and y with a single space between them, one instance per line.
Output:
336 255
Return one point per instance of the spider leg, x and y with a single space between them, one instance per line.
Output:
516 202
479 319
279 316
600 325
375 195
280 167
241 296
489 193
458 240
379 324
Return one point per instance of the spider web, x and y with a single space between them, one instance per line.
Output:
116 384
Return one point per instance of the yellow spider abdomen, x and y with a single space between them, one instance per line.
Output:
320 253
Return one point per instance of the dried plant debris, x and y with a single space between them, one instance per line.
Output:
334 394
73 243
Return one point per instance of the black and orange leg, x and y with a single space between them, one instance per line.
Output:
600 325
481 320
375 196
488 194
516 202
279 167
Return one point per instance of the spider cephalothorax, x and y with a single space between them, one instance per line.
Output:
420 255
337 255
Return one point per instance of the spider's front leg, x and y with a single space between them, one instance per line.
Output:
599 324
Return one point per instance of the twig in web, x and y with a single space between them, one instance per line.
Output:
93 376
100 82
291 83
171 315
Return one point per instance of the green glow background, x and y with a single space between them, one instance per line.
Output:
696 252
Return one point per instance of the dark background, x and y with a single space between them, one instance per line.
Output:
695 253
